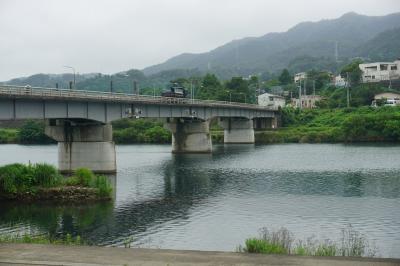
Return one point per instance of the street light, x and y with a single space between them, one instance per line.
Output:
73 69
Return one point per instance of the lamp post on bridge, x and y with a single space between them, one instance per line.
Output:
73 69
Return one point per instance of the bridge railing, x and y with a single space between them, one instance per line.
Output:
10 90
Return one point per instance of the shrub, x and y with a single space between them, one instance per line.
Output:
15 178
103 185
46 175
85 176
33 132
254 245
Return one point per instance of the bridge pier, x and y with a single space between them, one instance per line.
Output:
237 130
189 135
83 144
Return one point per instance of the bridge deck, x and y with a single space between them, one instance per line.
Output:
7 91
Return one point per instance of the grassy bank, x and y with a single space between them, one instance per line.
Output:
351 244
43 182
364 124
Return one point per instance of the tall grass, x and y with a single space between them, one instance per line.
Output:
42 239
352 244
19 178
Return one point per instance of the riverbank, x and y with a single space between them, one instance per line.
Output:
42 182
36 254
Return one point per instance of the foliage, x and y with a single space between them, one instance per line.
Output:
45 175
16 179
352 244
103 185
254 245
285 77
84 176
336 125
351 72
42 239
8 135
33 132
140 130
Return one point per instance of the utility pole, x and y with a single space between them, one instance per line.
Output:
111 86
300 103
347 86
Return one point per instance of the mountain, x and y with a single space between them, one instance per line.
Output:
275 51
49 80
383 47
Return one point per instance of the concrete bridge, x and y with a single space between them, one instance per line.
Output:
80 121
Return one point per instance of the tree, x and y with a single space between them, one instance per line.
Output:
33 132
238 89
210 87
352 72
285 77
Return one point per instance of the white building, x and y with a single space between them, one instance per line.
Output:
380 71
300 76
307 101
339 81
387 98
271 100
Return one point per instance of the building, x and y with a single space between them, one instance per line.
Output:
386 98
339 81
300 76
380 71
307 101
271 100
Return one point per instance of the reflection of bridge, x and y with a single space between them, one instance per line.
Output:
79 121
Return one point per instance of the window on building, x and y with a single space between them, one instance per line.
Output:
373 77
393 68
373 68
384 67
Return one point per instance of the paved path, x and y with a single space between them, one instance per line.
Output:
27 254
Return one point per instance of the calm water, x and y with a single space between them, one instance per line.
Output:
215 202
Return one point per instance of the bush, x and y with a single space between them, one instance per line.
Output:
352 244
84 176
8 135
33 132
46 175
103 185
16 178
254 245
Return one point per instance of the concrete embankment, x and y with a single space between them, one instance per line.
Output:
28 254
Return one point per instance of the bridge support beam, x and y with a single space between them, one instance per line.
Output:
83 145
237 130
189 136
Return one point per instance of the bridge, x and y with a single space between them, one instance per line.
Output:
80 121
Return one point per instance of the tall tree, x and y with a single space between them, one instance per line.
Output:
285 77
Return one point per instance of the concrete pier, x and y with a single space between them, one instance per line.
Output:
83 145
237 130
190 136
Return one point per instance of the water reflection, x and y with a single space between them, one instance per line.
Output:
216 201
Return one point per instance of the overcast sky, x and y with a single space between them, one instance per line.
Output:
42 36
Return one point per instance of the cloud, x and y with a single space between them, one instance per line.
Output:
110 36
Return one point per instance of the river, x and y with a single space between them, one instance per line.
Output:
215 202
